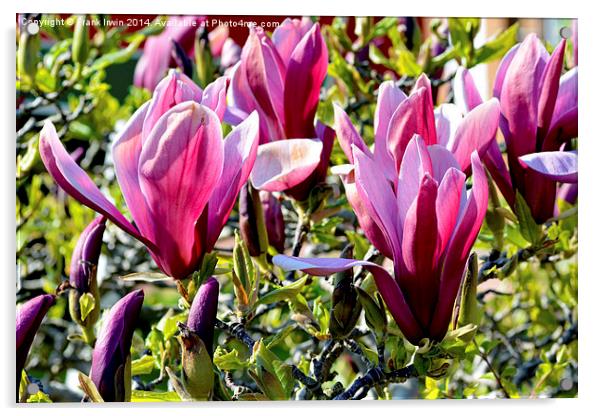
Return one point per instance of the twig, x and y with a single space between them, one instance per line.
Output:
492 369
374 377
300 236
237 330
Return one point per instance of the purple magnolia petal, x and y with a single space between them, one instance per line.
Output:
564 121
558 166
363 213
76 182
378 199
305 74
441 161
549 88
475 132
420 281
416 163
113 347
282 164
180 166
126 156
174 89
519 98
347 133
387 286
214 96
264 72
459 247
568 192
450 199
203 311
447 119
414 115
288 35
500 74
239 96
389 98
240 151
466 94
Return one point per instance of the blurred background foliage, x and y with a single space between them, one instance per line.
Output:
527 297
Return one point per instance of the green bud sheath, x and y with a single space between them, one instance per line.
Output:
79 49
469 313
197 367
27 56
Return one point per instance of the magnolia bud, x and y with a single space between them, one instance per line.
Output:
196 339
29 318
469 310
82 276
345 309
375 316
79 49
111 361
27 56
253 231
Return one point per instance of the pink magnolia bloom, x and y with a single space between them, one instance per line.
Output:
538 114
398 117
179 177
156 57
280 77
427 224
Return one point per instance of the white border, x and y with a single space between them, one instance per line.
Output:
590 193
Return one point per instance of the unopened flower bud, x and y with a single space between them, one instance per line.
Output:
345 309
111 361
196 339
79 49
82 274
27 56
29 318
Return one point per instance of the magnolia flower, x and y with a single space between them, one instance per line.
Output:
201 318
112 350
427 224
179 177
280 77
29 318
538 114
397 118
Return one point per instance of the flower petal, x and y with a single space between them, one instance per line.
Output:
76 182
420 281
459 248
549 89
305 74
347 133
416 163
558 166
288 35
476 131
466 94
564 124
180 166
413 116
214 96
240 150
282 164
447 119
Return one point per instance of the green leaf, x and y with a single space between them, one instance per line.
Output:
143 365
39 397
149 277
289 292
228 361
86 305
118 57
497 47
155 396
406 64
382 27
527 225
